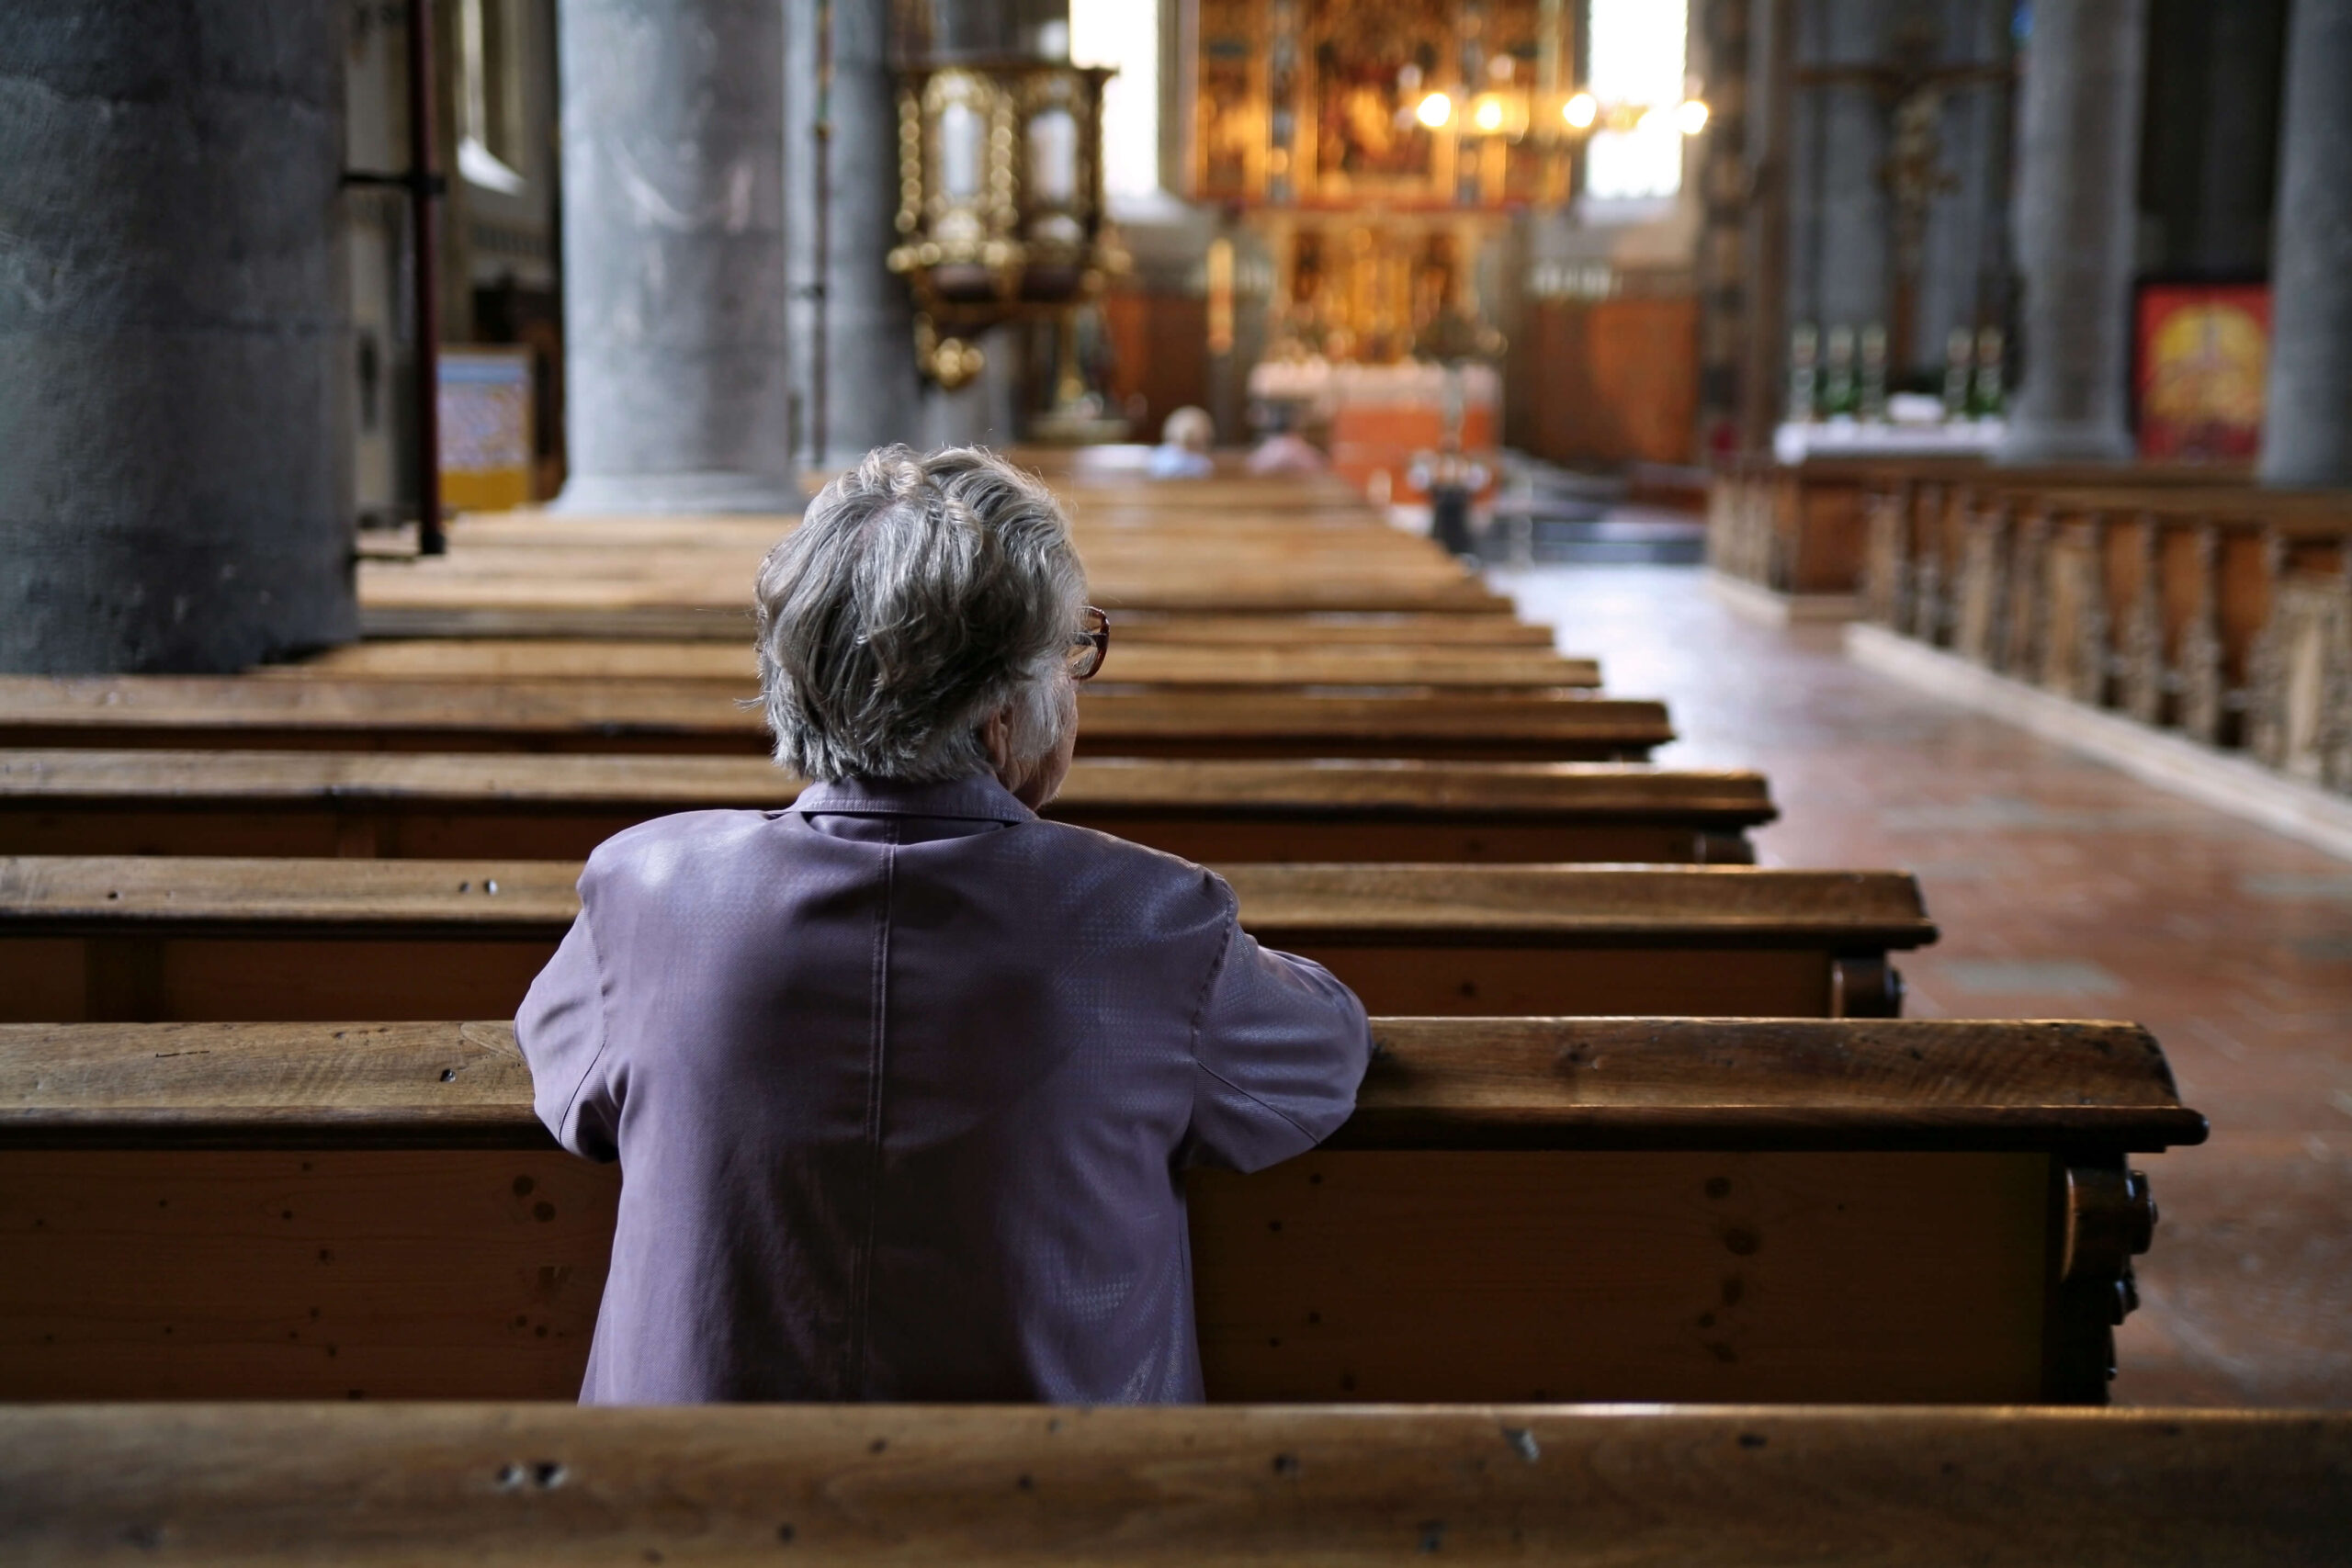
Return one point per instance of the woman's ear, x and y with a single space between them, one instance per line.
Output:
996 739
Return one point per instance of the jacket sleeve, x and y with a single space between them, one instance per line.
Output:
1278 1051
561 1030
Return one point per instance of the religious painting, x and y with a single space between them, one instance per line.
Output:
1419 103
1228 111
2203 355
1374 61
485 428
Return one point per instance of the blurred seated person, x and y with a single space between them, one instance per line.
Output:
1285 451
1451 479
905 1079
1183 449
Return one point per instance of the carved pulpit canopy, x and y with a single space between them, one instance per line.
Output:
1000 211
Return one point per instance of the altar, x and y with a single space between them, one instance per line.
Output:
1384 423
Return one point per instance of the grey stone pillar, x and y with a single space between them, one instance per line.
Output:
1851 286
174 352
2307 431
852 327
2077 165
677 388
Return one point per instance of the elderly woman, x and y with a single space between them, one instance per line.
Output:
903 1079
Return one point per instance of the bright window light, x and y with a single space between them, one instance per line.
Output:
1636 55
1126 34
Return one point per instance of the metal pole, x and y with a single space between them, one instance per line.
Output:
425 230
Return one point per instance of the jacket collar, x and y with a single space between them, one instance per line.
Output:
976 795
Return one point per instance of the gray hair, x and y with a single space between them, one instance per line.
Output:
919 596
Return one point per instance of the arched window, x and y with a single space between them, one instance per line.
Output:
1126 34
1634 54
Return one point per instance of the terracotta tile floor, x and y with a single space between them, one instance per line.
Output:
2063 889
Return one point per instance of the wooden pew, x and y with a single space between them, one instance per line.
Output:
1155 664
548 1486
186 711
1236 568
1519 1209
485 804
1400 630
131 938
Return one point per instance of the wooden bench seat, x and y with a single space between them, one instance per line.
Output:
1521 1208
138 938
187 711
546 1486
1401 630
537 805
1155 664
1191 580
551 1487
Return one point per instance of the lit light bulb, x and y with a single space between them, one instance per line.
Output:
1488 115
1653 121
1434 110
1691 117
1581 110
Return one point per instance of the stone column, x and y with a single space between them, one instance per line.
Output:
2307 433
1852 285
677 389
175 350
852 327
2076 170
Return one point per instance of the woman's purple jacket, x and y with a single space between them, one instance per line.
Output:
902 1082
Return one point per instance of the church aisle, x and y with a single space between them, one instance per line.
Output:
2063 888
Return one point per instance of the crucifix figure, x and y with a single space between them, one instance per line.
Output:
1910 91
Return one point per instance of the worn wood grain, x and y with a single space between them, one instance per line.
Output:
132 938
70 801
1365 1275
1646 1209
1398 630
590 715
1702 1488
1517 1082
1146 663
1324 904
1192 785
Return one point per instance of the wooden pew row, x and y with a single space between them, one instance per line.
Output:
1806 528
1198 578
186 711
1153 664
1396 630
158 939
556 807
548 1486
1652 1209
2221 611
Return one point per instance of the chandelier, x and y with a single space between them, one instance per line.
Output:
1001 212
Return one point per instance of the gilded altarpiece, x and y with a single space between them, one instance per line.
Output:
1376 146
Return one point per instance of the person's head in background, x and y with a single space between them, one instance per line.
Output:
926 622
1189 429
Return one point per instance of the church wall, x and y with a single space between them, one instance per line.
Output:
1610 381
